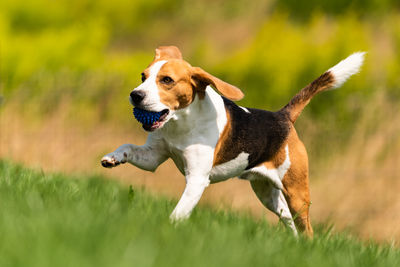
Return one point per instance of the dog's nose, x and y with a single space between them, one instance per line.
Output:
137 96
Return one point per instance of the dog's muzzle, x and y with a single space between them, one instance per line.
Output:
137 97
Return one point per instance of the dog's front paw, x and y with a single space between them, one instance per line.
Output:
112 160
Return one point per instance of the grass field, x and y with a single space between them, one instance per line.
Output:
67 68
48 220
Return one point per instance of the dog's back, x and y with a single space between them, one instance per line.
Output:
259 133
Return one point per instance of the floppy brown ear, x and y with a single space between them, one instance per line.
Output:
167 52
202 78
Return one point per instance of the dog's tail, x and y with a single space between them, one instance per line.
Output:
331 79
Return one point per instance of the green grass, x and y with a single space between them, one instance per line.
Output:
55 220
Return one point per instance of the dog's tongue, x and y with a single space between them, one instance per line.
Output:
148 127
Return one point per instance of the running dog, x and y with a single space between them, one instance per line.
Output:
211 139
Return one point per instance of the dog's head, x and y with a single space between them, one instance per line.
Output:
169 83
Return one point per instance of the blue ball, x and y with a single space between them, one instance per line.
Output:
146 117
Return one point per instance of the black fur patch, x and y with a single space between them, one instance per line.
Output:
259 133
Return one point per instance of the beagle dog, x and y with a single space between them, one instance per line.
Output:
211 139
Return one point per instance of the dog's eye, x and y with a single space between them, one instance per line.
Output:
167 80
143 77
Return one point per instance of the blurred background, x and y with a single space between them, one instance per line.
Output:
67 68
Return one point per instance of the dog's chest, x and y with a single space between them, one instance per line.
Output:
177 156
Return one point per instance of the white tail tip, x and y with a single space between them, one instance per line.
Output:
347 67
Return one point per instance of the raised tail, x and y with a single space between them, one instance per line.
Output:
332 78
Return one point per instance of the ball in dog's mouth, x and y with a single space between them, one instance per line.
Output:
150 120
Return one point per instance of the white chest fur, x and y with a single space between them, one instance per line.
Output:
193 132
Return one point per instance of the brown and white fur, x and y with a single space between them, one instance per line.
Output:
211 139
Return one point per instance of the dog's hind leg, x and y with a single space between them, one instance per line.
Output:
297 195
296 185
274 200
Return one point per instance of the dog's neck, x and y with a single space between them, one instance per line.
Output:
197 118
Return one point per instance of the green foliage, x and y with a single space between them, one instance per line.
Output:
54 220
338 7
86 56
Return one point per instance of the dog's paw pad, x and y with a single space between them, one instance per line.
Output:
109 162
